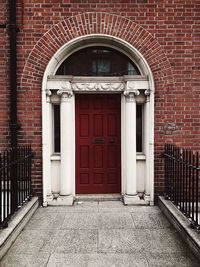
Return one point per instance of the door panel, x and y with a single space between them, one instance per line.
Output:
84 125
98 178
84 178
111 158
98 124
98 143
112 124
84 156
98 156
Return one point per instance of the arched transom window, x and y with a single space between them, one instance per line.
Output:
98 61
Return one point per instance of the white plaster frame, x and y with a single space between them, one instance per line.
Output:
54 63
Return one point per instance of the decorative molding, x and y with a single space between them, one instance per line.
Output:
48 96
147 92
58 83
48 92
131 94
65 92
131 85
131 91
65 95
97 84
139 84
65 86
100 87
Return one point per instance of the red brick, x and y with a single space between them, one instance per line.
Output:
167 34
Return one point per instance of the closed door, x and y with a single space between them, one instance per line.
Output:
98 144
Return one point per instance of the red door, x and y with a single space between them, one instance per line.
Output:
98 144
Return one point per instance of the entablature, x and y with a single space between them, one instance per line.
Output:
98 84
133 87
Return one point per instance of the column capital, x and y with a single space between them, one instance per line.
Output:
48 95
131 91
65 92
48 92
131 94
147 92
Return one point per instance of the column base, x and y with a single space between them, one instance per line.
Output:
49 197
131 200
65 200
147 198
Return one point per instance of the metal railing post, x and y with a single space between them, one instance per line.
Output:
182 181
15 181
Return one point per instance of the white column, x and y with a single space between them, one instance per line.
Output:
147 141
130 196
48 196
66 172
151 147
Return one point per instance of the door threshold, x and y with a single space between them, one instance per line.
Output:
98 197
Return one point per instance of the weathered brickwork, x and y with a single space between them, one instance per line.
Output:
4 81
166 33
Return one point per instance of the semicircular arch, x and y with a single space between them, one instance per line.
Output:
99 28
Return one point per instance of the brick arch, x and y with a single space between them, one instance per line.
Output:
96 23
29 96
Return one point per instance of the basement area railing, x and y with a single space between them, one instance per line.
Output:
182 181
15 181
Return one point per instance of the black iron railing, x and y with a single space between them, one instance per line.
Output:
182 181
15 181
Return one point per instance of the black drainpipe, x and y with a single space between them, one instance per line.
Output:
12 28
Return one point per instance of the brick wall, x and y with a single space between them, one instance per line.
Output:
165 32
4 81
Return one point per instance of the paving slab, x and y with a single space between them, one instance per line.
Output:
81 220
138 240
78 206
25 260
34 241
99 234
115 221
113 207
118 207
97 260
160 240
144 209
154 220
77 241
118 241
111 204
171 260
46 221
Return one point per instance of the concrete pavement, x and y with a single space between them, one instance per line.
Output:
95 234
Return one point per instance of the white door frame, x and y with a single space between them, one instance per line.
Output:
128 86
